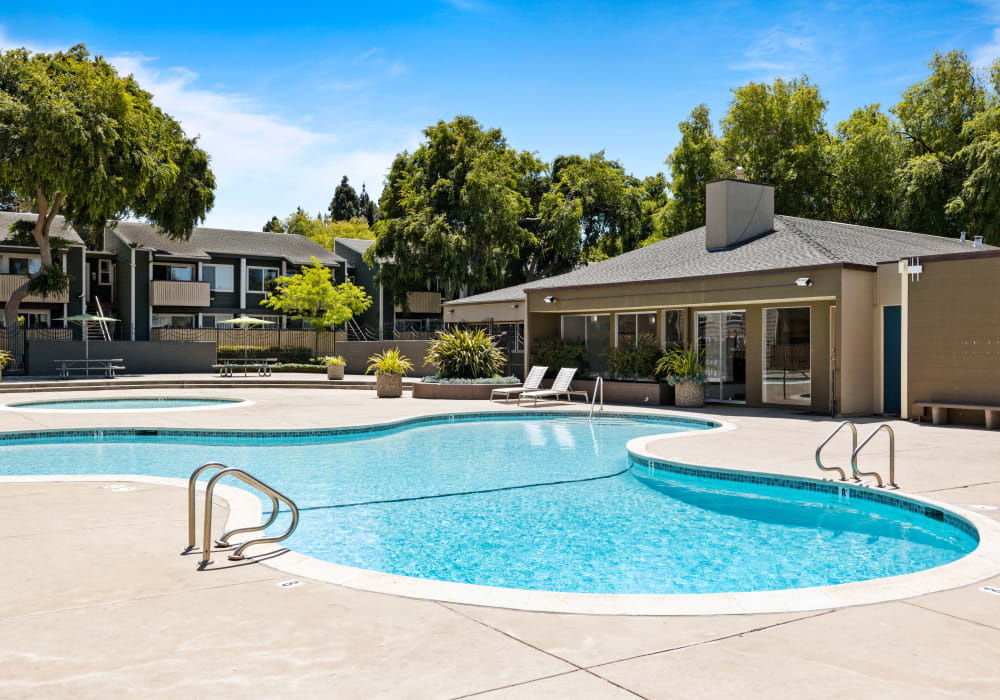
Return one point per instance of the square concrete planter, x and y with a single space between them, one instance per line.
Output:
464 392
690 395
644 393
389 386
335 371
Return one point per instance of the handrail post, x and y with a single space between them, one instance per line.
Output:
892 455
854 445
191 498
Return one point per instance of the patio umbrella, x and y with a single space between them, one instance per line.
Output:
84 320
246 321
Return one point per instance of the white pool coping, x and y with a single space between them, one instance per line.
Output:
27 407
245 511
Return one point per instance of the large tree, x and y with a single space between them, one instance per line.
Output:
78 139
696 160
777 133
345 204
367 206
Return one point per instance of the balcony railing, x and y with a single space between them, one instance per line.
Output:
9 283
422 302
169 293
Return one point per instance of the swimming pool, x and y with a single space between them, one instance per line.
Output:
125 405
536 502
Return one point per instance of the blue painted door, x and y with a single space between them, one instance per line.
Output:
891 359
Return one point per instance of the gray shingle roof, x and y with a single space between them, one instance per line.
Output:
292 247
794 242
358 245
515 293
59 228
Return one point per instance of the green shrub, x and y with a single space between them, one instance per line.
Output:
681 365
636 360
555 353
461 354
333 361
479 380
283 353
297 367
389 362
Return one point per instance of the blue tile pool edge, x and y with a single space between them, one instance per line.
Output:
124 434
652 465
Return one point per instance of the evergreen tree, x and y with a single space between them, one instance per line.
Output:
274 226
345 205
366 207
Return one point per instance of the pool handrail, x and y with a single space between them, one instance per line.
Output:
223 540
854 446
892 456
598 384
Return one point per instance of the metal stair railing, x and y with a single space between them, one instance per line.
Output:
854 446
599 384
892 456
223 541
102 324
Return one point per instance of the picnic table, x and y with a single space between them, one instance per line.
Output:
261 364
107 366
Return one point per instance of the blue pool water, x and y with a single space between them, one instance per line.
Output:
148 403
545 503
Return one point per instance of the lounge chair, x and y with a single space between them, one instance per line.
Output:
532 382
559 387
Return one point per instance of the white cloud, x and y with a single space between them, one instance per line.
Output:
984 55
785 53
264 164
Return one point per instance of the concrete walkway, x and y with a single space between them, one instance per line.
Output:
98 602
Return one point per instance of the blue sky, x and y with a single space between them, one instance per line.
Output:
288 97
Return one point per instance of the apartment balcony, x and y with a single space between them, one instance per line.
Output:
169 293
422 302
9 283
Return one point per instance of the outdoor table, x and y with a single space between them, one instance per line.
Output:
106 365
261 364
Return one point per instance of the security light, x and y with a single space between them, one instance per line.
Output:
550 300
804 282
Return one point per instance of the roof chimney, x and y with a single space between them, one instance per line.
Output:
740 173
737 210
977 242
961 237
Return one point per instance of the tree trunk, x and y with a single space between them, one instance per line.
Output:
43 223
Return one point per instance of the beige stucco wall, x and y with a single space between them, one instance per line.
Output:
500 312
855 343
953 332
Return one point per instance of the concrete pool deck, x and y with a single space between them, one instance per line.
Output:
98 602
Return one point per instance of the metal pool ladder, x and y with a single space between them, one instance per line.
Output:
892 456
223 541
854 446
599 384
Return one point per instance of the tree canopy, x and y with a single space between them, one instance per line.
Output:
345 204
78 139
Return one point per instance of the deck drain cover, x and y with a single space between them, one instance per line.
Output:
290 584
119 487
990 589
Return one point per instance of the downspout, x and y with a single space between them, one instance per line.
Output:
131 288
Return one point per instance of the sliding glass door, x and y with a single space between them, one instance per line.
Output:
721 335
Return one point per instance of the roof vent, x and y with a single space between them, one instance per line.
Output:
961 237
740 173
736 211
977 242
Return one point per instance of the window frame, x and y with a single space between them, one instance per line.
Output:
169 265
763 356
232 276
277 274
193 317
104 267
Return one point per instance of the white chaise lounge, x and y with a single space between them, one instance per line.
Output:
560 387
532 382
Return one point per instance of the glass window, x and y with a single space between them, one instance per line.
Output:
219 277
212 320
173 321
634 327
104 272
594 331
173 273
261 279
787 361
673 328
24 266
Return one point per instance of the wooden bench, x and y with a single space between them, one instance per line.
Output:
107 366
939 411
261 364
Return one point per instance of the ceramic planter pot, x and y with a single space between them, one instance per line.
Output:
689 395
335 371
389 386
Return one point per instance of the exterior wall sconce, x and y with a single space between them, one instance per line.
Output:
804 282
550 300
451 311
515 306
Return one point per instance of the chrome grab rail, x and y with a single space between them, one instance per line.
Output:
599 384
854 446
223 540
892 456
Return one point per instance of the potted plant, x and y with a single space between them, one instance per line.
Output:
684 369
5 359
389 368
334 366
